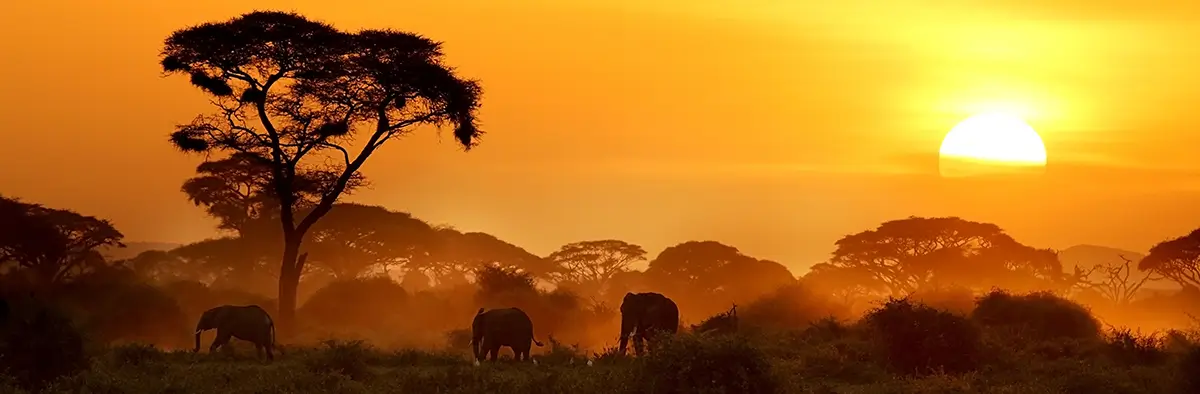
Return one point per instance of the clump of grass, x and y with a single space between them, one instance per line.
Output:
348 358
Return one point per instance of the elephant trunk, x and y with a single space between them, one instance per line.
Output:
197 348
627 326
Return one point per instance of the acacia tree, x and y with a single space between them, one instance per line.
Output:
1117 282
355 238
592 264
1176 259
300 93
53 245
904 255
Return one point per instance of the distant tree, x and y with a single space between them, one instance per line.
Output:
907 254
238 192
455 254
353 238
1176 259
592 264
1117 281
52 245
297 92
846 284
711 268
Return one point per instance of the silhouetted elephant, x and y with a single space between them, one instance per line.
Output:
644 315
501 327
248 323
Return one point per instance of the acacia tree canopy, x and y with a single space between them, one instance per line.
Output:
592 264
52 244
1176 259
315 103
904 255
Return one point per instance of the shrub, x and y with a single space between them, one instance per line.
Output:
918 339
689 363
1131 348
721 323
39 345
1038 316
135 354
346 358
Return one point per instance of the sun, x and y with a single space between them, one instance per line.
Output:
991 143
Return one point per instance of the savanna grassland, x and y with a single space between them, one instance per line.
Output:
1007 344
368 299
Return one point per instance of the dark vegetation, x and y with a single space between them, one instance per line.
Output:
374 300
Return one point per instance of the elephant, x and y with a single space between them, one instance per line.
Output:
645 315
3 311
245 322
501 327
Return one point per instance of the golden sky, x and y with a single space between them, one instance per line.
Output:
774 126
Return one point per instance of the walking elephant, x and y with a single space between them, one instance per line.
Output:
249 323
645 315
501 327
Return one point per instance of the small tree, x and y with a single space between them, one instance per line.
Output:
1118 282
296 93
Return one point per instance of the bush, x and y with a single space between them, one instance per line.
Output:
1038 316
1130 348
959 300
689 363
346 358
39 345
918 339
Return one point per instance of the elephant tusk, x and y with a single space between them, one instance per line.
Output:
476 362
199 331
534 361
589 363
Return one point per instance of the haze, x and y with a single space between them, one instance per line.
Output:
777 127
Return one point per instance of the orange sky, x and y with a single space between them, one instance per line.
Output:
774 126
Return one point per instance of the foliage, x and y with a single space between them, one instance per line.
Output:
908 254
39 344
695 364
52 245
721 323
1176 259
293 94
1118 282
1037 316
918 339
592 264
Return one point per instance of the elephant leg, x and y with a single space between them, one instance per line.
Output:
258 349
639 345
270 351
223 338
493 352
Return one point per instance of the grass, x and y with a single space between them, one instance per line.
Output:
786 363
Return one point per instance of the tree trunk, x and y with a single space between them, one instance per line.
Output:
289 282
